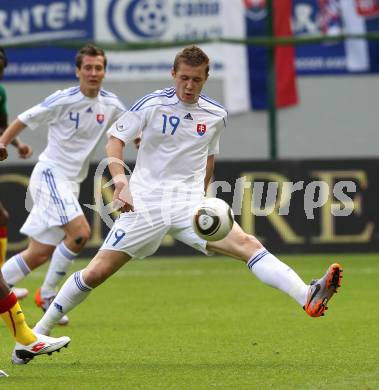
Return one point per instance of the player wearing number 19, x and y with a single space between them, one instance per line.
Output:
76 119
180 129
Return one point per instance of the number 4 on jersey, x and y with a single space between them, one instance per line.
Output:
75 118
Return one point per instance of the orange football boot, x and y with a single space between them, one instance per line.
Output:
321 291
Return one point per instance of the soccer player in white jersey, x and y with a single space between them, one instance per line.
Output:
76 118
181 129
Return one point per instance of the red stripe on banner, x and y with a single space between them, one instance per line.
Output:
286 89
3 232
8 302
367 8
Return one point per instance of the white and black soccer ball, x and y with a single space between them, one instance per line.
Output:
213 219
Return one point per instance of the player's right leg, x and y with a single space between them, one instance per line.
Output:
78 286
136 234
21 264
77 232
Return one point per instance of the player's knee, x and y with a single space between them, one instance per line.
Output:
43 257
82 237
86 233
79 238
249 243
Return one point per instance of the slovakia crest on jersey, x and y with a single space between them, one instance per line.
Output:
100 118
201 128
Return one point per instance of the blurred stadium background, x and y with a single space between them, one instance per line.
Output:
326 127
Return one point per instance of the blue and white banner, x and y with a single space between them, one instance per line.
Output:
26 22
105 21
30 21
157 20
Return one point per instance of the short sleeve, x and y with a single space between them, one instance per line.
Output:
41 113
128 126
214 145
36 116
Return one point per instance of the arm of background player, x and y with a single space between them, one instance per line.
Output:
115 153
24 150
9 135
209 171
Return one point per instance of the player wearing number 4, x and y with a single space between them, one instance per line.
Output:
76 119
181 129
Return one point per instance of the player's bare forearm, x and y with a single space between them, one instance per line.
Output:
11 132
17 142
115 153
122 198
9 136
209 172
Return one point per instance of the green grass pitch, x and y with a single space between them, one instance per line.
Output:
208 323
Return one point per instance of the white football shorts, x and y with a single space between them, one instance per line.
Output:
140 233
54 204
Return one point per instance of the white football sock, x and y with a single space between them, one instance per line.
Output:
73 291
60 263
15 269
270 270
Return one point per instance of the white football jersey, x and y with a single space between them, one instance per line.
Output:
75 125
176 140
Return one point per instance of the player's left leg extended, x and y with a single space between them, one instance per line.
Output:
271 271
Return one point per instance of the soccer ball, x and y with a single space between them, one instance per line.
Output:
213 219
